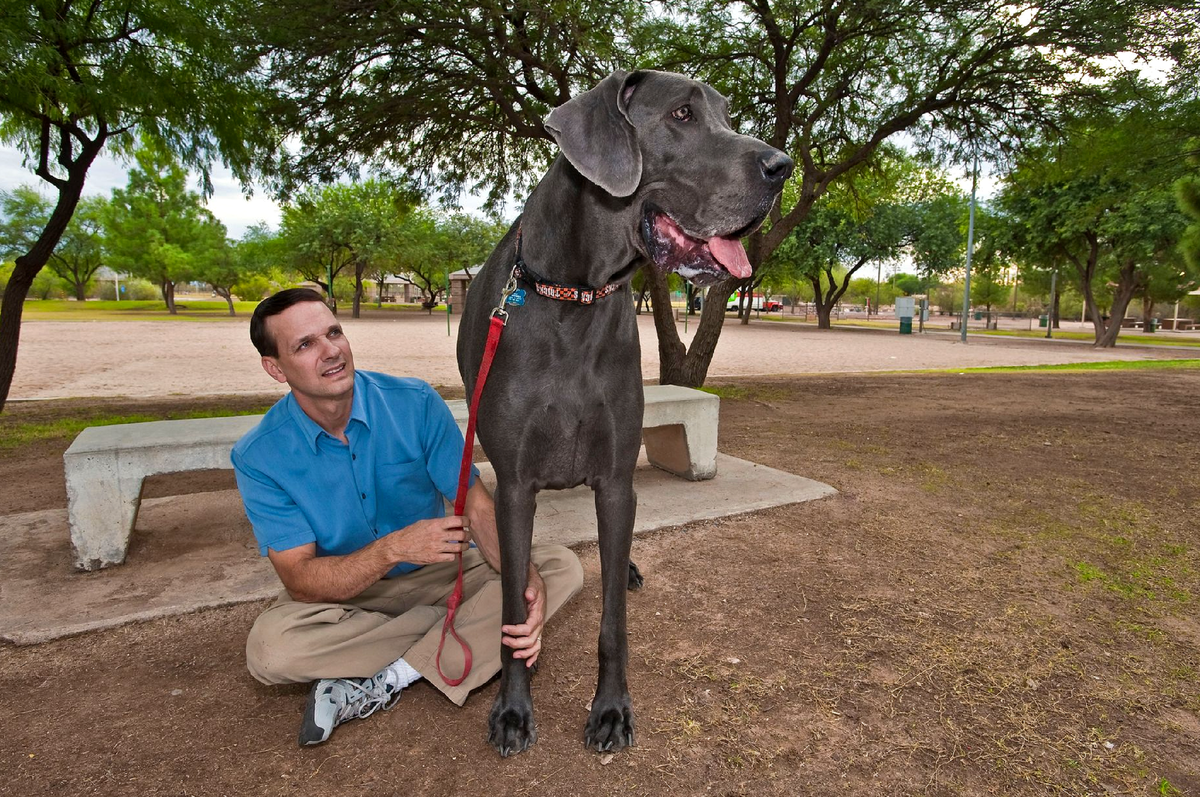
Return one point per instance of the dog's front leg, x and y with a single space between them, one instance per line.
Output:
511 727
610 723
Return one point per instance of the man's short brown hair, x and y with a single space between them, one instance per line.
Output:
274 305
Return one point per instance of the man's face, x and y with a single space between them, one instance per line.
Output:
314 356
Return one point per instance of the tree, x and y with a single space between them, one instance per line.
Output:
826 81
444 92
24 211
1097 198
81 251
357 224
1187 194
158 229
261 258
991 261
830 82
79 77
431 245
314 235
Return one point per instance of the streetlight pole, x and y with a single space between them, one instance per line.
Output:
878 280
970 246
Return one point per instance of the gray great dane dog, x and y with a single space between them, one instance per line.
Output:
649 171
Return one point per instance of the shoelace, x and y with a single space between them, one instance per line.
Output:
365 696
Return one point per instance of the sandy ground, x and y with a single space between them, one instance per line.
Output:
153 359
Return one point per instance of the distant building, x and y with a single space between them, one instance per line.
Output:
459 282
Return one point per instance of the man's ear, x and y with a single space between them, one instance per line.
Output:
273 370
595 135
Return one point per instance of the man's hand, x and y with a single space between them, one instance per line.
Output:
526 639
427 542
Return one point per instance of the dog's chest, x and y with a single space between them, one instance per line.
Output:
563 407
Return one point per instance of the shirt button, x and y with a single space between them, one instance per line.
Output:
354 456
364 495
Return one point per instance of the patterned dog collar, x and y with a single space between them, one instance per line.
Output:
579 294
563 293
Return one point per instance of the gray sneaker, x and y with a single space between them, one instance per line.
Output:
333 701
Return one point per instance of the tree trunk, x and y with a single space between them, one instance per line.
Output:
168 292
355 311
1054 311
747 304
822 304
1147 311
81 291
27 266
1127 285
227 295
679 365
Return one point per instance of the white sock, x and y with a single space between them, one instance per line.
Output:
400 674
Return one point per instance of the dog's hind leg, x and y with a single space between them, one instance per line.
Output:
610 723
511 726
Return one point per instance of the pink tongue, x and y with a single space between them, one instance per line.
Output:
730 253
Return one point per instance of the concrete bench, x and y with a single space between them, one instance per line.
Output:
106 465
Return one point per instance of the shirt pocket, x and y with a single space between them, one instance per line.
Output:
406 494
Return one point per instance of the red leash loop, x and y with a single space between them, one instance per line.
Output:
460 500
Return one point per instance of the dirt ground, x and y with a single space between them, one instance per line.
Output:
1002 600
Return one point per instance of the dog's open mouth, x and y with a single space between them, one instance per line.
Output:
700 261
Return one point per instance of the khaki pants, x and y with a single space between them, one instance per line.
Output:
294 642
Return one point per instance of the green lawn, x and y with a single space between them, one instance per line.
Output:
1114 365
15 432
1131 337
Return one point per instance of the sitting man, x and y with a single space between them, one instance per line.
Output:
343 481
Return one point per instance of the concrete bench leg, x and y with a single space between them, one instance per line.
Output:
685 449
103 507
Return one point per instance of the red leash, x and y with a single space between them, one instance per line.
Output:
499 318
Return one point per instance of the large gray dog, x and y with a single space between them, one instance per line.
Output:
650 170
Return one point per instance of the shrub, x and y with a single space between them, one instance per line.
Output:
135 289
47 286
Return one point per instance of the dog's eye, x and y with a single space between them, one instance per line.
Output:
682 114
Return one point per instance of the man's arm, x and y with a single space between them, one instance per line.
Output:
334 579
526 638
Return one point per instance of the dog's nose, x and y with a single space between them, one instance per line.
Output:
776 166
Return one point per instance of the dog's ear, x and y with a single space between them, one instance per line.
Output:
595 135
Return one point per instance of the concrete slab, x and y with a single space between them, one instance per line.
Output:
196 551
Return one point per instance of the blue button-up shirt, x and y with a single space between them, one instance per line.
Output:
300 485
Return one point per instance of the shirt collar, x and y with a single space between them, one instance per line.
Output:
312 431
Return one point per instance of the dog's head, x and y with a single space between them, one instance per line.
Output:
664 141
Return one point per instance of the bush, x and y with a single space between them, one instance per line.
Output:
253 288
46 286
6 270
135 289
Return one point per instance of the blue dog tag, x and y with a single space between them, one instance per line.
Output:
516 298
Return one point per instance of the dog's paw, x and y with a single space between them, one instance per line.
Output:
635 577
511 728
609 728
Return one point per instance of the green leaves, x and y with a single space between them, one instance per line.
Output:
443 92
157 228
168 72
